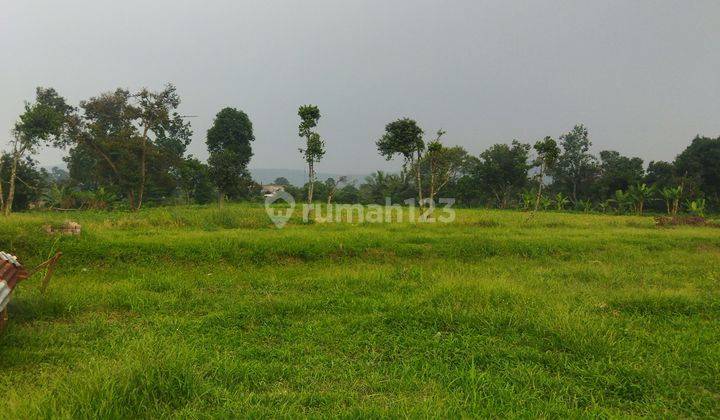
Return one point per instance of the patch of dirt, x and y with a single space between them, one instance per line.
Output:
666 221
711 248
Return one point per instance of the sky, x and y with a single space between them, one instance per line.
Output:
643 76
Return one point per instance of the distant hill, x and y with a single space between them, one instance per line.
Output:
298 177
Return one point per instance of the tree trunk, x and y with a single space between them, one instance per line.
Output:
537 198
331 194
540 185
432 181
11 188
106 158
419 183
143 158
221 198
574 191
2 196
311 187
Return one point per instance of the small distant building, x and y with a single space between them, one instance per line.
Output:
270 190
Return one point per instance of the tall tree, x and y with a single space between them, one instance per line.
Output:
547 154
124 141
576 167
104 142
617 172
314 148
31 181
332 186
503 171
700 163
382 185
229 143
661 174
442 166
158 116
405 138
42 122
193 178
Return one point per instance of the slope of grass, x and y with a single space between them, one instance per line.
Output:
195 312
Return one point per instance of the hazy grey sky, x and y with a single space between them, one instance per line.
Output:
644 76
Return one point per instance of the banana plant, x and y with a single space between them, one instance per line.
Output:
696 207
622 199
101 199
527 199
605 205
585 205
58 197
54 196
561 201
545 202
672 198
640 194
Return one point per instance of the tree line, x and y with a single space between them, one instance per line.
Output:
129 149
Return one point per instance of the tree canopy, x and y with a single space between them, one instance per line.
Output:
229 143
503 171
576 166
314 148
700 161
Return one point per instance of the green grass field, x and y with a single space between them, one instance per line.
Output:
199 312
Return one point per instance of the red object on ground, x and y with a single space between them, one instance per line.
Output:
11 273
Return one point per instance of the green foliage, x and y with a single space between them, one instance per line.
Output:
380 185
502 171
442 166
129 141
585 206
193 179
623 200
661 174
402 137
31 181
527 199
546 202
640 194
101 199
314 148
58 197
561 201
696 207
672 198
43 121
547 155
617 172
605 205
281 181
576 167
700 164
229 143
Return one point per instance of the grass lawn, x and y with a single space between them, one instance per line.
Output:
196 312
